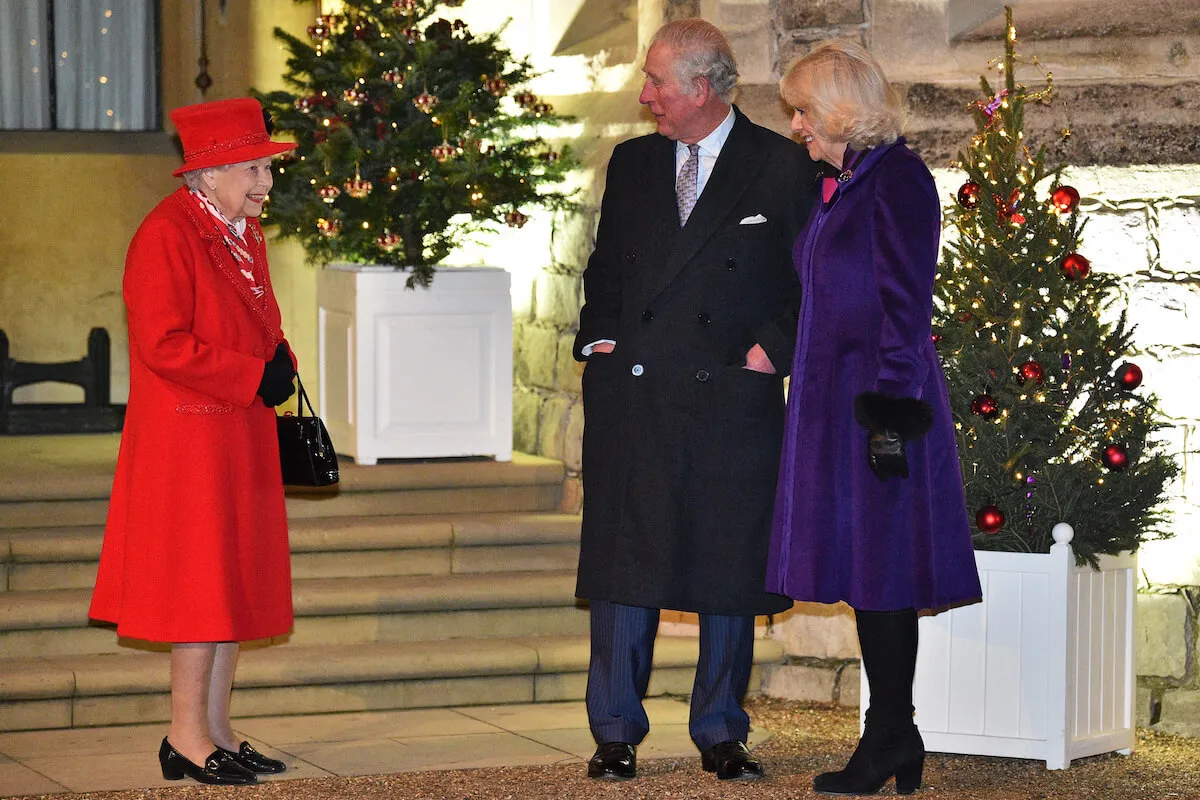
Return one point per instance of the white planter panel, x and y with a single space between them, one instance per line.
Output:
415 373
1043 668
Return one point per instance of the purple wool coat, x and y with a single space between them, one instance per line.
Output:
867 261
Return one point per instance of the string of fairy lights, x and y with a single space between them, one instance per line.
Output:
1013 289
357 72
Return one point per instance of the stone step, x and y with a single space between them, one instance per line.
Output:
41 558
341 610
76 494
133 687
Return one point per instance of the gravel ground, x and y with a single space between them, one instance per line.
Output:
807 740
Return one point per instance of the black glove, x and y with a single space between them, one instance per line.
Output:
885 455
889 421
276 384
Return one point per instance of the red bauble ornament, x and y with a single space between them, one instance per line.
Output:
358 188
496 86
329 228
1007 212
388 241
1031 371
1075 266
1129 375
968 195
989 519
1065 199
1115 457
985 406
444 151
425 101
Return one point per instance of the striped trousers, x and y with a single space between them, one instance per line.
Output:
619 674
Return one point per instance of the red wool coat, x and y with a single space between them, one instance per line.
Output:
195 547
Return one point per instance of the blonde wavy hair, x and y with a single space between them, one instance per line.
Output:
844 94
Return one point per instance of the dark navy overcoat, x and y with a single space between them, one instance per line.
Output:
681 443
867 261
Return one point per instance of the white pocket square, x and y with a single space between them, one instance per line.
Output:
757 219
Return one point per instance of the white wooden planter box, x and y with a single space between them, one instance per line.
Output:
1043 668
415 373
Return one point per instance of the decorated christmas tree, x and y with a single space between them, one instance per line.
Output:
413 133
1053 424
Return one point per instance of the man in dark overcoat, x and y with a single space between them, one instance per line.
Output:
688 323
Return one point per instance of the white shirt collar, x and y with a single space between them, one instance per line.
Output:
711 145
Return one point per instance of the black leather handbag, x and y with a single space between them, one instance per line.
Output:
306 453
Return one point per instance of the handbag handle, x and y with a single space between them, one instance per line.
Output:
302 399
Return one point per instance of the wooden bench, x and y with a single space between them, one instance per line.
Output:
96 414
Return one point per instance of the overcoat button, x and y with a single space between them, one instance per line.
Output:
647 315
630 257
730 263
703 318
638 369
702 375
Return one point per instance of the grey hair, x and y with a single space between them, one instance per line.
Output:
194 178
701 51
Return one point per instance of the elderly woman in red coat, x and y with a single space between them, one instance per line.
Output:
195 548
869 508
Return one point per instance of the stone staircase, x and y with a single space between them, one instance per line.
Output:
419 584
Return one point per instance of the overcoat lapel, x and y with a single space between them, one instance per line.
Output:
732 175
223 263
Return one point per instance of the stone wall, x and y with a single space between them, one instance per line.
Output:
1128 88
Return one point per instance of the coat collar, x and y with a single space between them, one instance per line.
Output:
221 259
864 168
735 170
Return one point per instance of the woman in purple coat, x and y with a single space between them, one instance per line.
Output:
869 507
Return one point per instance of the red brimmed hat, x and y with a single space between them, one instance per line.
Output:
223 132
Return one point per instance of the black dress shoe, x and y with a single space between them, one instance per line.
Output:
219 767
732 762
255 761
614 761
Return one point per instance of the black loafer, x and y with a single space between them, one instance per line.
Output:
219 768
255 761
613 761
732 762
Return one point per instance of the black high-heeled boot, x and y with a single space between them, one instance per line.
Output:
891 745
882 752
219 767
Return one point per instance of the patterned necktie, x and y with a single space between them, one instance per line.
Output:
685 185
